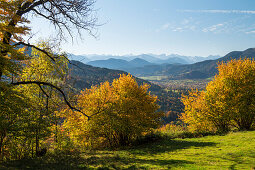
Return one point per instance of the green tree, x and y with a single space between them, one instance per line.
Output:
13 119
45 100
28 112
15 15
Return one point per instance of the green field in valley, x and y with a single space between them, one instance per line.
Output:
154 78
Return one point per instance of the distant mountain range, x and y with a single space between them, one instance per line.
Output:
199 70
137 64
113 63
177 69
98 60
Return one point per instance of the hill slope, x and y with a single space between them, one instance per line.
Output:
111 63
84 76
206 69
199 70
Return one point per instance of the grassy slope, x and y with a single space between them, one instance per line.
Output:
233 151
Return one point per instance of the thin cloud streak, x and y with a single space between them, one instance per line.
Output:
220 11
213 28
250 32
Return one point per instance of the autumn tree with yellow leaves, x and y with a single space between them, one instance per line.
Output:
124 111
227 101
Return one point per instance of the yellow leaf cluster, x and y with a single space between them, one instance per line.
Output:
227 101
119 112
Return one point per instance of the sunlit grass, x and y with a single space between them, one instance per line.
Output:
232 151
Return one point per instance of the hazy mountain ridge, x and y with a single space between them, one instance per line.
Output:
199 70
204 69
120 64
151 58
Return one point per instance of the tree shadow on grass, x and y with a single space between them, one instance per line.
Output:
168 145
70 162
147 151
239 158
50 161
117 162
111 160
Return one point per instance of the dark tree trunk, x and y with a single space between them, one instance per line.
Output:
37 141
1 73
1 144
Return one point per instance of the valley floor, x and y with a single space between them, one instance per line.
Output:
231 151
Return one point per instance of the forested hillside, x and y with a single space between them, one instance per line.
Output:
84 76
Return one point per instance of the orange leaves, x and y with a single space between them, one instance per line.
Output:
12 28
10 21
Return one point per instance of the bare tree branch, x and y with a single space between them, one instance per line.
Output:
39 83
44 92
46 53
68 14
63 14
37 48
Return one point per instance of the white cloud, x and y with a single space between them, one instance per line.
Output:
213 28
221 11
238 24
179 29
250 32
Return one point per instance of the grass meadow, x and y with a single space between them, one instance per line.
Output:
235 150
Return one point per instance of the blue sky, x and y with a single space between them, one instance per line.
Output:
185 27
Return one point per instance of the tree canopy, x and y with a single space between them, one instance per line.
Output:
124 110
227 101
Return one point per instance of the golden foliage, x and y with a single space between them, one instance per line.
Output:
228 99
119 113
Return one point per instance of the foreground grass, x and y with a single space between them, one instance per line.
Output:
232 151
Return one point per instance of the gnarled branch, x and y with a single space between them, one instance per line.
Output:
37 48
39 83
